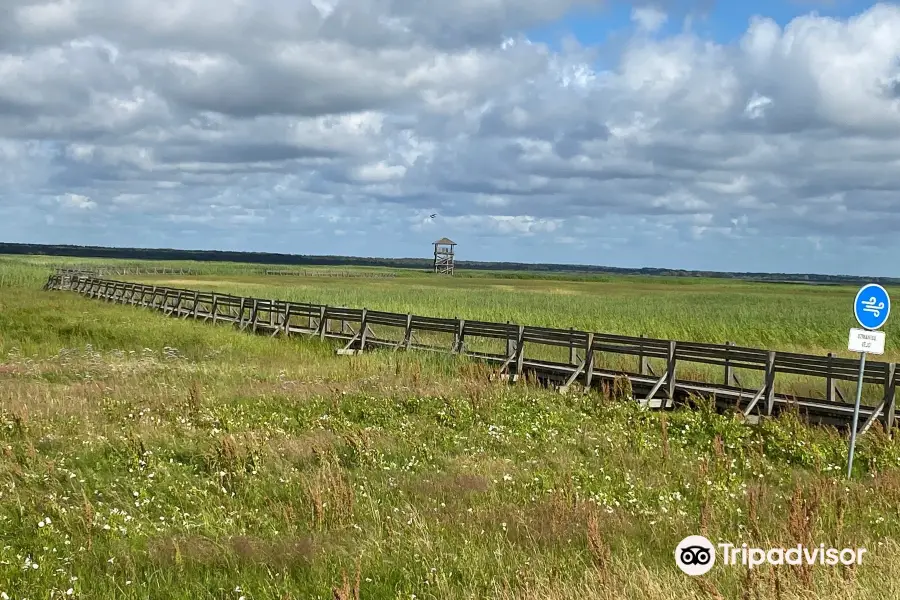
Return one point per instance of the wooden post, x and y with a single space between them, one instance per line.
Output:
196 305
729 370
572 356
286 321
177 304
829 380
589 362
770 383
363 329
215 308
670 373
889 392
520 352
460 333
254 315
510 344
643 361
407 334
323 325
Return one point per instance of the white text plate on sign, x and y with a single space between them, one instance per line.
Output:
862 340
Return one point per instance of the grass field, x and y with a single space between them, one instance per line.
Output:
146 457
778 316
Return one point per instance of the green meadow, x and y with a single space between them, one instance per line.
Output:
148 457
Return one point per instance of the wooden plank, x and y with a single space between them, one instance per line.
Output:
323 322
754 401
489 330
670 372
578 370
886 405
659 383
643 359
589 361
770 383
407 332
829 380
572 354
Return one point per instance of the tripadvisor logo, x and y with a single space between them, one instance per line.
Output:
696 555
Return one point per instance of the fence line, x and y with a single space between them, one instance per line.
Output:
101 271
355 327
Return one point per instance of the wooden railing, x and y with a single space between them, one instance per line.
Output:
100 271
109 270
505 344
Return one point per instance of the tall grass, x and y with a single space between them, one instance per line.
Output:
147 457
790 318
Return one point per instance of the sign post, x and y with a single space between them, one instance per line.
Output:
871 308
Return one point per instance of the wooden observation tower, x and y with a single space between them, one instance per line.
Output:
443 256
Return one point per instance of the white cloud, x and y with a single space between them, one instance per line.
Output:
368 117
77 202
649 18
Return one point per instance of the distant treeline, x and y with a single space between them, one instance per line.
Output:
272 258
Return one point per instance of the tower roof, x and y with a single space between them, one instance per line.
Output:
444 242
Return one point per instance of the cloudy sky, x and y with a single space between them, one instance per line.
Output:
759 136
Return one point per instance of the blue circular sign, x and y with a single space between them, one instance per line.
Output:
872 306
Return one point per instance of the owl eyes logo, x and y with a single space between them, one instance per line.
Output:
695 555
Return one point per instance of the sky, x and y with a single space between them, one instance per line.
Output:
693 134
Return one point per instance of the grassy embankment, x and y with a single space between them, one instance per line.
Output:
150 457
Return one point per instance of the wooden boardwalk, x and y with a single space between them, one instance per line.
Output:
517 345
104 271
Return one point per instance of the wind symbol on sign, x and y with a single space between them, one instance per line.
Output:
871 307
